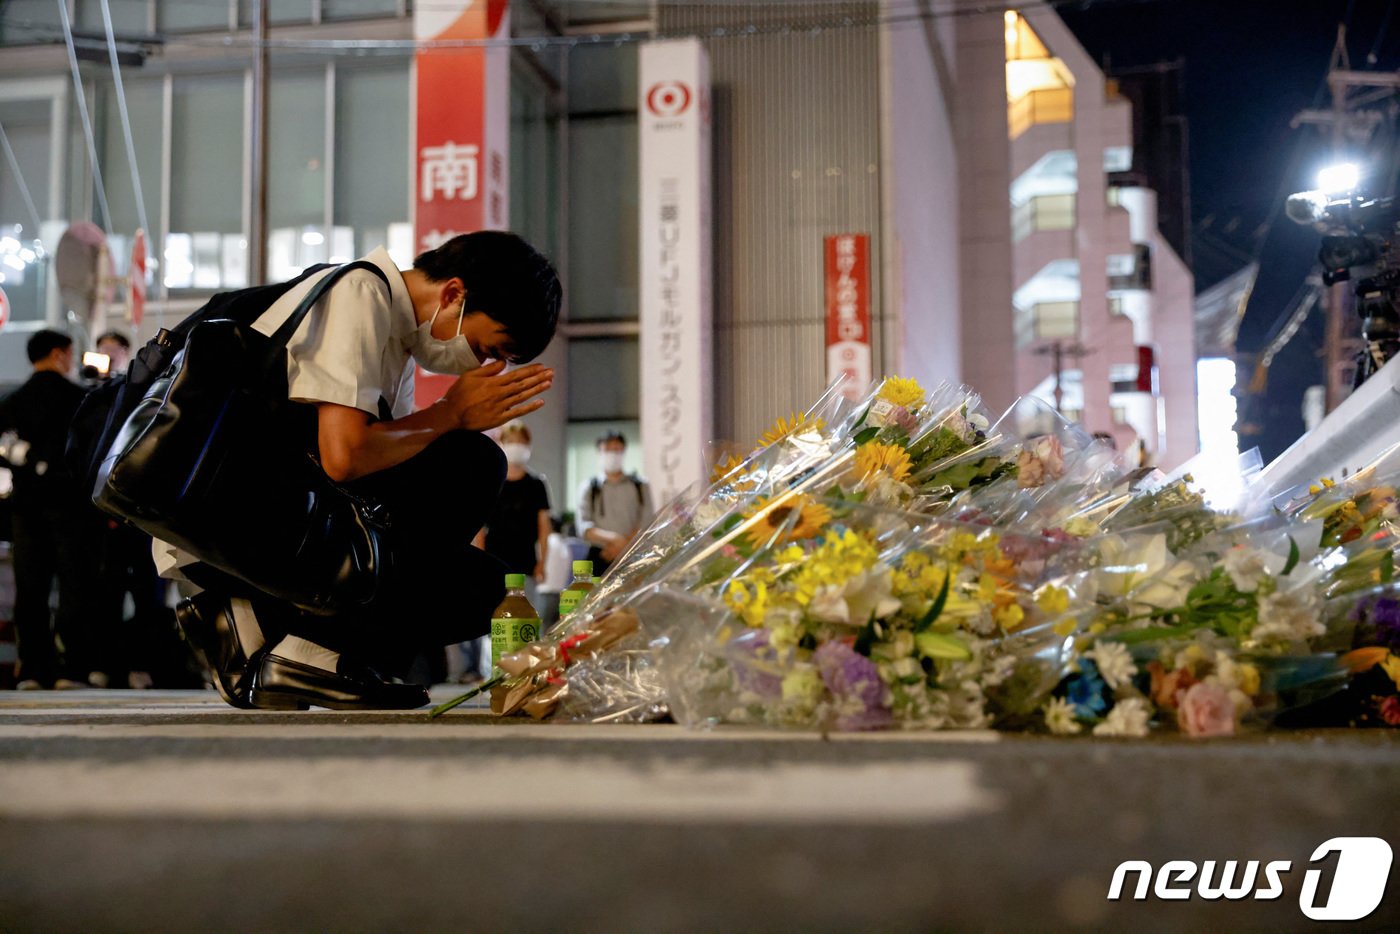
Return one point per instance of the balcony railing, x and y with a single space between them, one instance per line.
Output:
1047 212
1048 105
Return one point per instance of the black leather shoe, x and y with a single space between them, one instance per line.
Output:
207 622
283 684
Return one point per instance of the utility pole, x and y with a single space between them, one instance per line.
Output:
1358 125
1057 350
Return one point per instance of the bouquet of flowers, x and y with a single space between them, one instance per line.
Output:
907 562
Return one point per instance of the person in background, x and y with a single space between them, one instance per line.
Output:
613 506
54 524
517 530
117 347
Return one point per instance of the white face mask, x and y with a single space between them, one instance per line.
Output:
452 357
517 455
610 461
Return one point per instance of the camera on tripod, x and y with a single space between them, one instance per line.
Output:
1359 245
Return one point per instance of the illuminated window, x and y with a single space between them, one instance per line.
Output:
1047 212
1039 88
1056 320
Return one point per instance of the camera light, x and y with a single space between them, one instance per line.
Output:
1339 179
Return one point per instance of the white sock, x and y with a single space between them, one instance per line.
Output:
245 624
297 649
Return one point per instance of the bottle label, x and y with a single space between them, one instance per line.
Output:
569 601
507 635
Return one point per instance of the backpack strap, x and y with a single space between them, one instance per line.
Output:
595 490
283 335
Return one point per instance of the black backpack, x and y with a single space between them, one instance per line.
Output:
105 409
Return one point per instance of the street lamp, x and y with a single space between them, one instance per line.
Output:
1339 179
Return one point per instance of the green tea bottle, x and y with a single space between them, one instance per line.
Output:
570 597
515 623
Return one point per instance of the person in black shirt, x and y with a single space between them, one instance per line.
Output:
518 530
54 525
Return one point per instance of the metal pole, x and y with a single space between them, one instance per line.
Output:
1059 351
1336 299
257 226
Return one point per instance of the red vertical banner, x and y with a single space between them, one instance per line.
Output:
136 280
848 356
461 179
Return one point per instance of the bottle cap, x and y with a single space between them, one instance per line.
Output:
515 581
583 568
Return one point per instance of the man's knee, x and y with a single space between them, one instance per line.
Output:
470 456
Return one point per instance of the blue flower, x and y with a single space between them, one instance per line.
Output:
1085 691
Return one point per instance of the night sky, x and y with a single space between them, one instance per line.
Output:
1250 66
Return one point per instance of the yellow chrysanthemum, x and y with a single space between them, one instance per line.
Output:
890 460
726 467
770 515
1052 600
905 392
836 561
791 425
1009 617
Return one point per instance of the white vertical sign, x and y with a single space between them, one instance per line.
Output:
677 387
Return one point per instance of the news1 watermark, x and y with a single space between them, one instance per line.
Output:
1358 880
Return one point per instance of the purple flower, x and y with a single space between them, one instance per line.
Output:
753 660
851 676
1386 617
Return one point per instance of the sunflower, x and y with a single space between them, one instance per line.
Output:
903 392
772 514
726 467
791 425
888 459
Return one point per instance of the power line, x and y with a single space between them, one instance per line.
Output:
126 118
83 110
19 179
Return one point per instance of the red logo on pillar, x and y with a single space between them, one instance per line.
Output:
668 98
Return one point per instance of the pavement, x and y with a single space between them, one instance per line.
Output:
168 811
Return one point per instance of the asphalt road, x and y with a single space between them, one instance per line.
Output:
170 812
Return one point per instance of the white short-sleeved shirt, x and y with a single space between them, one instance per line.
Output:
351 350
353 346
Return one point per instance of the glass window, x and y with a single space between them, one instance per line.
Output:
603 78
184 16
372 120
146 109
1057 319
283 11
604 378
207 242
1048 212
357 9
296 173
602 218
1118 158
533 161
24 21
129 17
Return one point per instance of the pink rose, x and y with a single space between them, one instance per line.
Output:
1390 710
1206 710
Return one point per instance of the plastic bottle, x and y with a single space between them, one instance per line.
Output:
570 597
514 623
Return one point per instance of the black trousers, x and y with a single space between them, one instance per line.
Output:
55 544
441 589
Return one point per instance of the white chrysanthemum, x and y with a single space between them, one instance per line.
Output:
1287 616
1129 717
1246 567
1059 717
1115 663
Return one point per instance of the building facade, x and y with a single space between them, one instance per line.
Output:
979 153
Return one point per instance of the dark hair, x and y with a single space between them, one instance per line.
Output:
611 436
117 336
46 342
506 279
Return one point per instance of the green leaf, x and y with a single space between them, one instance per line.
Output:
866 436
938 645
1387 567
863 416
939 603
1293 557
